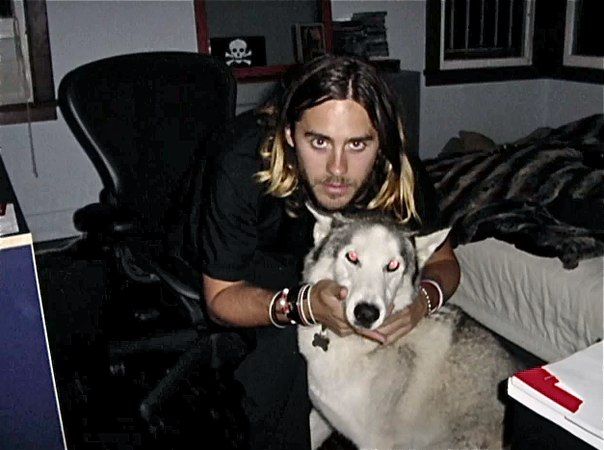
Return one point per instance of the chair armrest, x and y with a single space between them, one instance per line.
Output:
186 282
179 277
102 218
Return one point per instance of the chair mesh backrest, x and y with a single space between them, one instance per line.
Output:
147 122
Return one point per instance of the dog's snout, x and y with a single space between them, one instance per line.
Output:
366 314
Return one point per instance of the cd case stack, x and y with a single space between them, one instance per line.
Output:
363 35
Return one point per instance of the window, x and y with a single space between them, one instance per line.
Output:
479 40
473 41
485 33
26 83
583 37
15 85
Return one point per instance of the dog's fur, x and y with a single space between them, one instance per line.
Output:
434 388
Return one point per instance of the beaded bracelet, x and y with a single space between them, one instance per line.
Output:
290 303
313 321
270 310
428 301
432 308
301 298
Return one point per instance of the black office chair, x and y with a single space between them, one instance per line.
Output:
148 122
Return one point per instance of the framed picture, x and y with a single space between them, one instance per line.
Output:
309 41
240 51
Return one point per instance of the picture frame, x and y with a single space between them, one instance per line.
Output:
309 40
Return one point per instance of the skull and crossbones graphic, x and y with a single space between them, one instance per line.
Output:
238 53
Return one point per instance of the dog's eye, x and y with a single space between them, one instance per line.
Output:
393 265
352 257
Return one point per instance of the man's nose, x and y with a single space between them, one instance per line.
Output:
337 164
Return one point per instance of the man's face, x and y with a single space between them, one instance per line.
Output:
336 146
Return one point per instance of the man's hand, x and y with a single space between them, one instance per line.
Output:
327 303
398 324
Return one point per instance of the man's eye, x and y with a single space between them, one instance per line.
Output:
357 145
319 143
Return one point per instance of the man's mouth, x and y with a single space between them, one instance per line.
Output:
336 188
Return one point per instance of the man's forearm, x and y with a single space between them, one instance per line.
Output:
240 305
443 268
446 274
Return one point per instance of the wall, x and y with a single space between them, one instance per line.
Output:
272 19
503 111
84 31
405 26
81 32
568 101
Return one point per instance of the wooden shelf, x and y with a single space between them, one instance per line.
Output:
258 73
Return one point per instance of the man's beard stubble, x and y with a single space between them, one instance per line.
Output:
359 191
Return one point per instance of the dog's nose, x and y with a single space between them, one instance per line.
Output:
366 314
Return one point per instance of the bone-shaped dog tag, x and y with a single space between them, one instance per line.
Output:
320 340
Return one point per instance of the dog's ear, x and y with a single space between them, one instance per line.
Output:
323 224
426 245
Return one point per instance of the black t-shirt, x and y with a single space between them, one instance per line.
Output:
246 234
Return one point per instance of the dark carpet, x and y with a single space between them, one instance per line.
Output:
99 395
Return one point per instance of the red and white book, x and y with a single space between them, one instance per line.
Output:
567 392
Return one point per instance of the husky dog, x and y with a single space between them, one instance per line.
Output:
434 388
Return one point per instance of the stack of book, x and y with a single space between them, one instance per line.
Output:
348 38
363 35
374 24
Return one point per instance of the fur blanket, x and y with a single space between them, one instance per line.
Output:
543 193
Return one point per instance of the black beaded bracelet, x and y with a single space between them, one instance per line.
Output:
290 303
294 312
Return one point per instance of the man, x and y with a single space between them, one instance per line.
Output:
335 138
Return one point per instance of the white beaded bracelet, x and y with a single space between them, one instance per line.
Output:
310 313
301 297
428 300
441 298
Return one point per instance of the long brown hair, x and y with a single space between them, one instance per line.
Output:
391 185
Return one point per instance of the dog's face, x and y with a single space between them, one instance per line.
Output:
376 259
